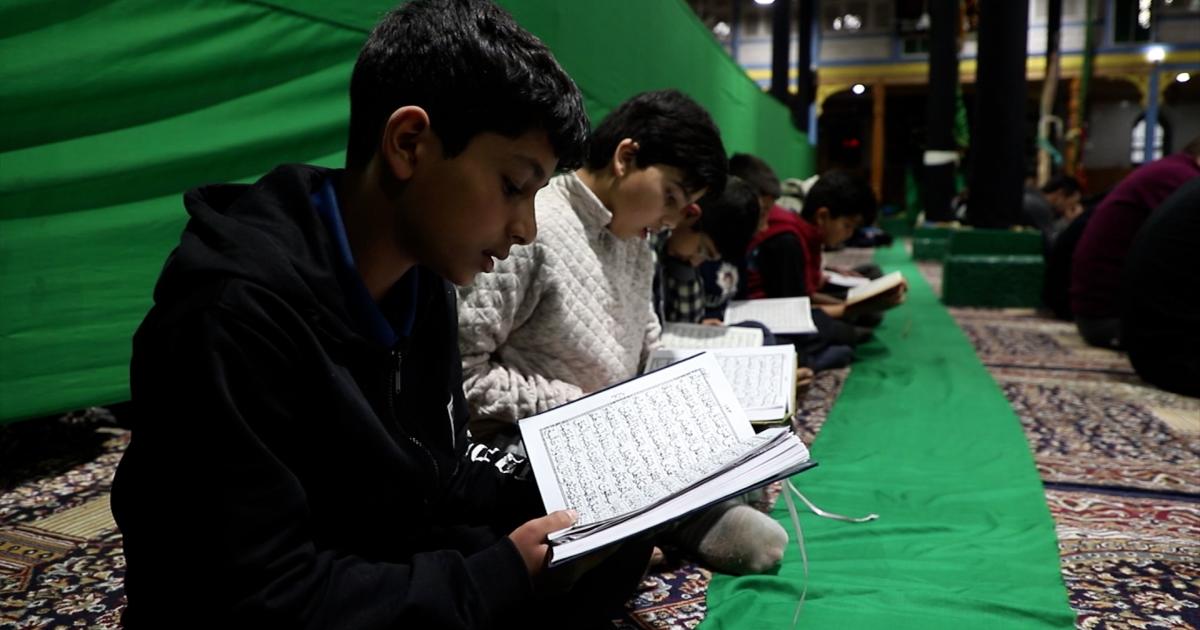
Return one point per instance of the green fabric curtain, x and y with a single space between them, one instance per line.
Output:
921 435
112 109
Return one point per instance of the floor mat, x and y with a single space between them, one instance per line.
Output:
674 597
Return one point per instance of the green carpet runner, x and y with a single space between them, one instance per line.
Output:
922 435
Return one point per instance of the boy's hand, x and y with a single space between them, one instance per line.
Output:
712 321
845 271
804 377
530 538
882 302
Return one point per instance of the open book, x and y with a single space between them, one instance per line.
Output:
842 280
763 378
701 336
874 288
782 316
649 451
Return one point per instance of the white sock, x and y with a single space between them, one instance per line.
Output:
743 541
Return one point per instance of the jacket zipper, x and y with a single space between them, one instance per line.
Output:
394 383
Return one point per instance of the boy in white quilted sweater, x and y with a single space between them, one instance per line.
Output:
573 311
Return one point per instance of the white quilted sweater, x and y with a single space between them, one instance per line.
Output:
567 315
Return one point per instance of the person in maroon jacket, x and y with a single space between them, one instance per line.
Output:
1100 255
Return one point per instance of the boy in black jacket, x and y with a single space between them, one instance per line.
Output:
299 455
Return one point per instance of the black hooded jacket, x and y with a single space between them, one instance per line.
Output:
287 472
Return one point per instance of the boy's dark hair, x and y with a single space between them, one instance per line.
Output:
730 218
1065 183
844 194
473 70
757 172
670 128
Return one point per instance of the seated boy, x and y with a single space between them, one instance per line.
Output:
722 231
789 196
1052 208
299 455
784 260
573 312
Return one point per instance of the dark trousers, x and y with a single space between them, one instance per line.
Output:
1102 332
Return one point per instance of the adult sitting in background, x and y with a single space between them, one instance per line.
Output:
1052 208
1161 328
1100 255
1056 283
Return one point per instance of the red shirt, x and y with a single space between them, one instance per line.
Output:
764 273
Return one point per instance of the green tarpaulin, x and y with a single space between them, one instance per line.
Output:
112 109
924 437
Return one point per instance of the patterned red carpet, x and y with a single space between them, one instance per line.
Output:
1121 462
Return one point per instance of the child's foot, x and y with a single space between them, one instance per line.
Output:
804 378
743 541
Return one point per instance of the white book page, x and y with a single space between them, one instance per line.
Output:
782 458
842 280
875 287
762 378
628 446
701 336
782 316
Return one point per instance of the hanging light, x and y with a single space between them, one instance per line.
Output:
858 88
1155 54
1183 77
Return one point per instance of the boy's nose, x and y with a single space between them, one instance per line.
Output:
523 230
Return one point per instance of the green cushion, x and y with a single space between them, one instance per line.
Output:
992 280
996 242
931 243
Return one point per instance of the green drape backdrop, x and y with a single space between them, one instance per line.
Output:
112 109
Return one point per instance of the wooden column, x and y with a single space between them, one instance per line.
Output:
1074 129
878 110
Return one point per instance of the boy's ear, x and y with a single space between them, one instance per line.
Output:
624 157
821 216
406 137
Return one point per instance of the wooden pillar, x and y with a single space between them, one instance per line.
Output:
878 111
1074 128
1046 118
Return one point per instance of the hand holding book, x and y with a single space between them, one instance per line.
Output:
649 451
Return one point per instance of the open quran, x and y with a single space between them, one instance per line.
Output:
762 378
875 288
782 316
649 451
701 336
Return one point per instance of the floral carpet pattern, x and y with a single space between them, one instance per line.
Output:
1120 459
673 596
61 562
